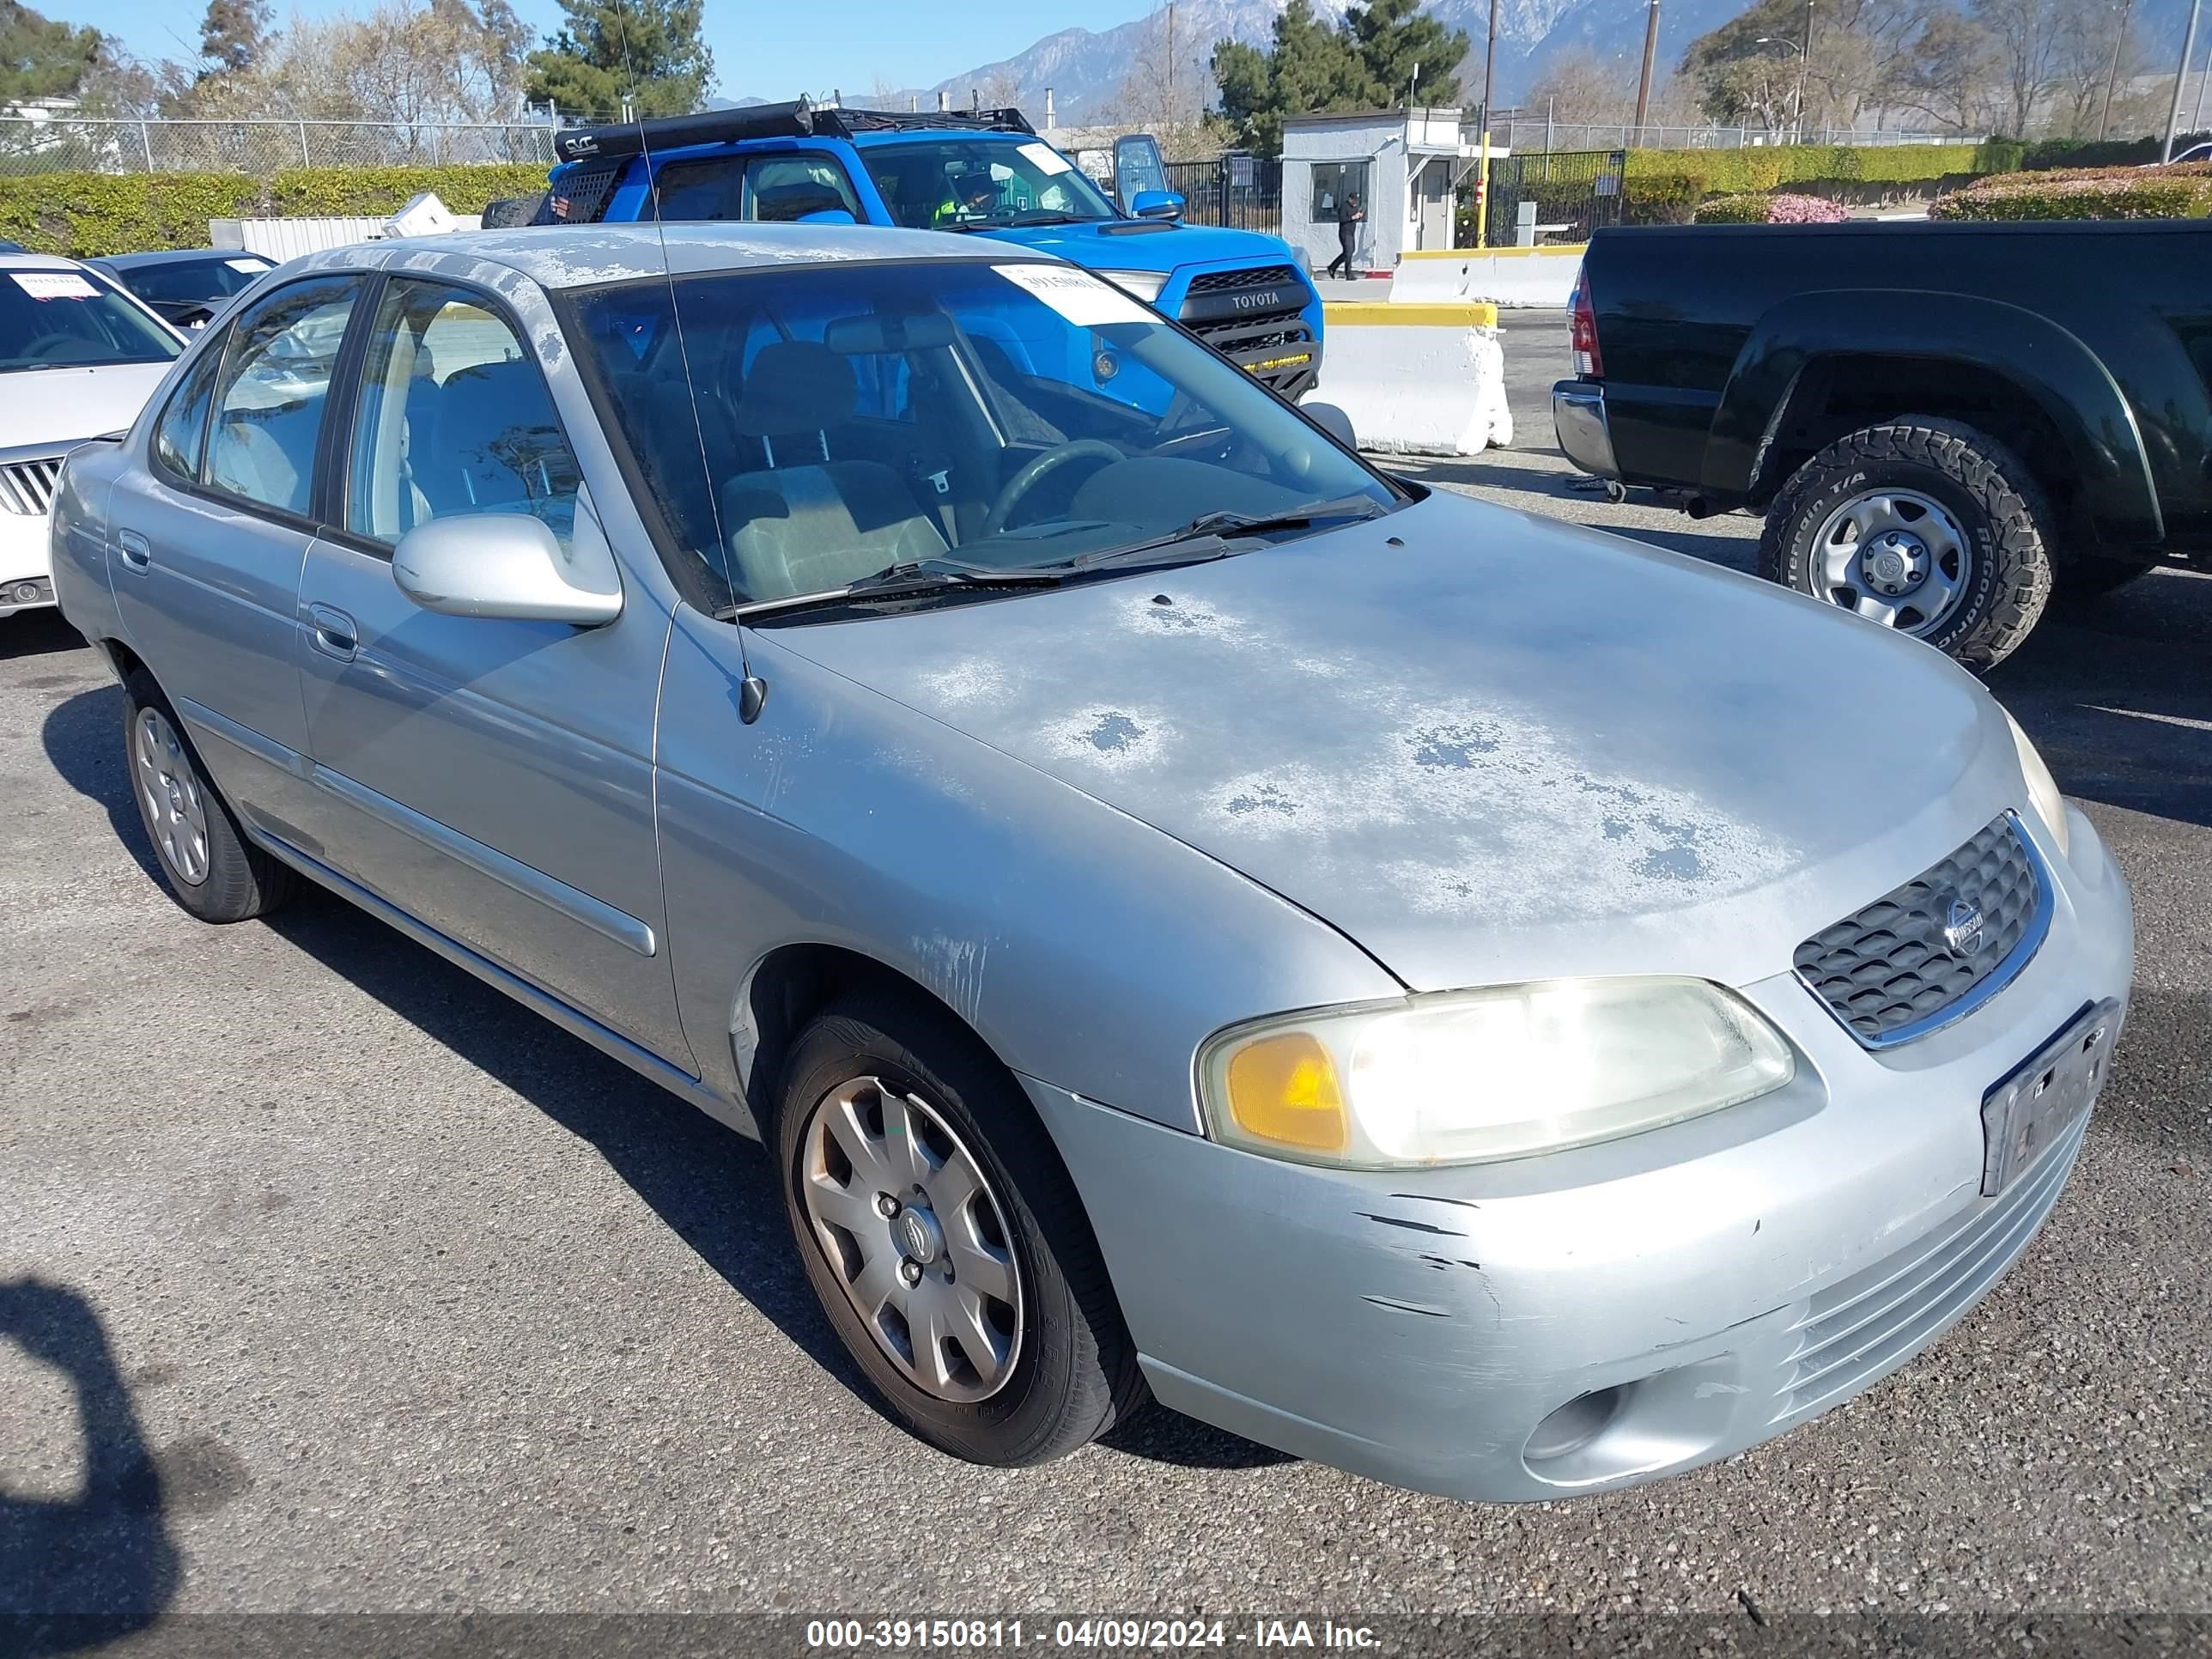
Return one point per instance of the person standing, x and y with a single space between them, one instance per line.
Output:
1349 217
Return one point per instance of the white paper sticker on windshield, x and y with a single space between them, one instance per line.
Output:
1077 295
1047 160
54 285
251 267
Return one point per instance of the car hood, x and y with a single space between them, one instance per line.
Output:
1114 246
63 406
1483 745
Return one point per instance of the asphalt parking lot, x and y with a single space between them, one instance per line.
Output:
338 1283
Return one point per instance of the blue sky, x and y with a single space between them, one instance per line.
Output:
762 48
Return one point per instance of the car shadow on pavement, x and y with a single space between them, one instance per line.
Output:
83 740
36 633
82 1571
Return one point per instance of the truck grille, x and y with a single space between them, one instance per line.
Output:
1254 318
1857 1331
27 487
1916 958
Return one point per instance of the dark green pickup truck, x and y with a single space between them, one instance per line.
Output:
1945 424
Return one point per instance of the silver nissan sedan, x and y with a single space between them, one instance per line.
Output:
1485 1004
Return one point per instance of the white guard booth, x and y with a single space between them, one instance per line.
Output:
1405 165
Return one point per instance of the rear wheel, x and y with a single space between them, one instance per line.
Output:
212 870
1926 526
945 1240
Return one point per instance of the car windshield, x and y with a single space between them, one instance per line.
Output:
182 282
70 319
971 415
956 183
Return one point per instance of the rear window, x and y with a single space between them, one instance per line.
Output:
182 282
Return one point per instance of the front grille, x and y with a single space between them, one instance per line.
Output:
1863 1327
27 487
1211 281
1890 972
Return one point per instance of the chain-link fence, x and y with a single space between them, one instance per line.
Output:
1523 130
68 144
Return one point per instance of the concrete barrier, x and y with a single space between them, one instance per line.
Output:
1418 379
1511 276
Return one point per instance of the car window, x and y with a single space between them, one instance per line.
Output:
774 187
67 318
454 418
182 282
269 401
1015 444
982 181
182 428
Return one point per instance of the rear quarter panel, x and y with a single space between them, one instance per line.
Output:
78 525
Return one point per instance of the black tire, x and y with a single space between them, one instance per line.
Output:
1998 504
240 880
2092 577
1074 1373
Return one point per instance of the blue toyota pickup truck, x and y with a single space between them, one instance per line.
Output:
1245 294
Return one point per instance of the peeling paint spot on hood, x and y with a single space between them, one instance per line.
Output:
1508 746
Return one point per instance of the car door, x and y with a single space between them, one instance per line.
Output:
207 541
491 777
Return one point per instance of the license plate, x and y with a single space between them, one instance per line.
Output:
2045 1094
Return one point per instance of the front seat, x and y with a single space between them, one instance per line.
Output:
814 526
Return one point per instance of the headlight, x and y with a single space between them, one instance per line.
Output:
1469 1077
1304 259
1145 285
2042 788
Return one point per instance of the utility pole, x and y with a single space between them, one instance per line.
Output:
2181 81
2112 76
1644 82
1482 178
1804 58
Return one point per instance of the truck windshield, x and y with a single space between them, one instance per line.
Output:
814 426
953 184
70 319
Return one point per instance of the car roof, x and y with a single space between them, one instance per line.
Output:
177 256
580 256
37 262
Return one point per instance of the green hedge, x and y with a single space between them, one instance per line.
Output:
1747 172
84 215
2047 154
2120 192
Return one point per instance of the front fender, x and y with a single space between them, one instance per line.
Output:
2051 368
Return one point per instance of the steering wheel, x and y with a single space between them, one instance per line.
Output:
1026 480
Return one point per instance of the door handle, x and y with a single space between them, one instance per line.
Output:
333 633
137 552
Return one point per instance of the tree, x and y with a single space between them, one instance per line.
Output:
234 34
2024 44
1308 68
1953 67
1394 39
41 58
1578 87
647 51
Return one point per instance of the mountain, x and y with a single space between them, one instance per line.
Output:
1085 68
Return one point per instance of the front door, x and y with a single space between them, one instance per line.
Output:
492 778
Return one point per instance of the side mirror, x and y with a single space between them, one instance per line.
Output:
1334 421
509 565
1155 204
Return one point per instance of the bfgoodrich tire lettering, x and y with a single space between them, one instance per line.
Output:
1981 485
1073 1368
210 867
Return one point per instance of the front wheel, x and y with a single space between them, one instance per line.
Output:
945 1239
1927 526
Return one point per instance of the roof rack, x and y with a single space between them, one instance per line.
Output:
798 119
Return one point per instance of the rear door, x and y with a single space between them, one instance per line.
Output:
208 541
492 778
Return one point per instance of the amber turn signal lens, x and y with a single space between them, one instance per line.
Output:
1283 1089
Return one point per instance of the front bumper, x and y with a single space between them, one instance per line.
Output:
1578 418
1711 1284
26 563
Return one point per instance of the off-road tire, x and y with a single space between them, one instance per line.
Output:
2003 511
242 881
1075 1374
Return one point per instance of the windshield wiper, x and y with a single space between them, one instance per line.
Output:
1048 217
1224 525
905 579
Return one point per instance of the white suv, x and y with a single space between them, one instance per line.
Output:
79 356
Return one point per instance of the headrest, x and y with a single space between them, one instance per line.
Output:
862 337
795 385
